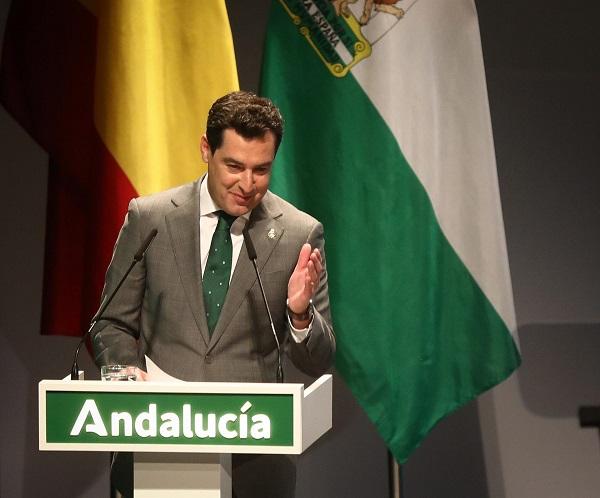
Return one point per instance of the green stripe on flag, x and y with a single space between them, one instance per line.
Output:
416 336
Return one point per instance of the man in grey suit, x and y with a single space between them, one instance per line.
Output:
195 324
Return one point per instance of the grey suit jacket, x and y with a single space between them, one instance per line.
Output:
159 310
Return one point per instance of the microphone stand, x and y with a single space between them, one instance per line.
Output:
136 259
252 256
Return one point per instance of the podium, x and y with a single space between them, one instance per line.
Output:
183 433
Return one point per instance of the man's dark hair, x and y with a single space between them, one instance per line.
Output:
248 114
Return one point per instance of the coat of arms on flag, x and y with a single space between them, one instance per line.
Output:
343 32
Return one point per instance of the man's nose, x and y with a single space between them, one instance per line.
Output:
247 181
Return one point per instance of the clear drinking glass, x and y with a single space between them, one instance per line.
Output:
117 372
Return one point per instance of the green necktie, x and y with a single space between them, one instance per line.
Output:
215 281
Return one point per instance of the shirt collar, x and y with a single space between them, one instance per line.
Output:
209 207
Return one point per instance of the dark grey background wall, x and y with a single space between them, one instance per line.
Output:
520 440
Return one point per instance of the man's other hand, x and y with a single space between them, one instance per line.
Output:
304 282
141 375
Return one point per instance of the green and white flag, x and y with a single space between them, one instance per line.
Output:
388 141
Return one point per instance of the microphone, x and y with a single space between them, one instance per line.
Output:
252 256
136 259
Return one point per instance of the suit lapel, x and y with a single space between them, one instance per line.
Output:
265 230
183 224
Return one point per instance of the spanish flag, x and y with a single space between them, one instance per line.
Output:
117 92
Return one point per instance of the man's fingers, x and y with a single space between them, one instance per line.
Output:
303 257
141 374
310 265
313 274
315 257
317 253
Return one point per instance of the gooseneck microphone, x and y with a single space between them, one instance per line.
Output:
136 259
252 256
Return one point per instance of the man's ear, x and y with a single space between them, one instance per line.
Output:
204 148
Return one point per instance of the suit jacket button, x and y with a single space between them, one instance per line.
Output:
208 358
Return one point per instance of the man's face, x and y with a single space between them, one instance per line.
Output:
239 171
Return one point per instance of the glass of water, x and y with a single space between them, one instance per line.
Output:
117 372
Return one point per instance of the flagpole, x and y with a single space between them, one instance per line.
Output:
394 475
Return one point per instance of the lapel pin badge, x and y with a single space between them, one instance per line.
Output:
271 233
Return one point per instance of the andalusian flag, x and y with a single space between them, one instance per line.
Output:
117 92
388 141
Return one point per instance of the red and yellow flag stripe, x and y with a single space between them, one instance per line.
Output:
117 93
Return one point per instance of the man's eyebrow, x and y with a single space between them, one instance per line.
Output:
232 160
268 164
